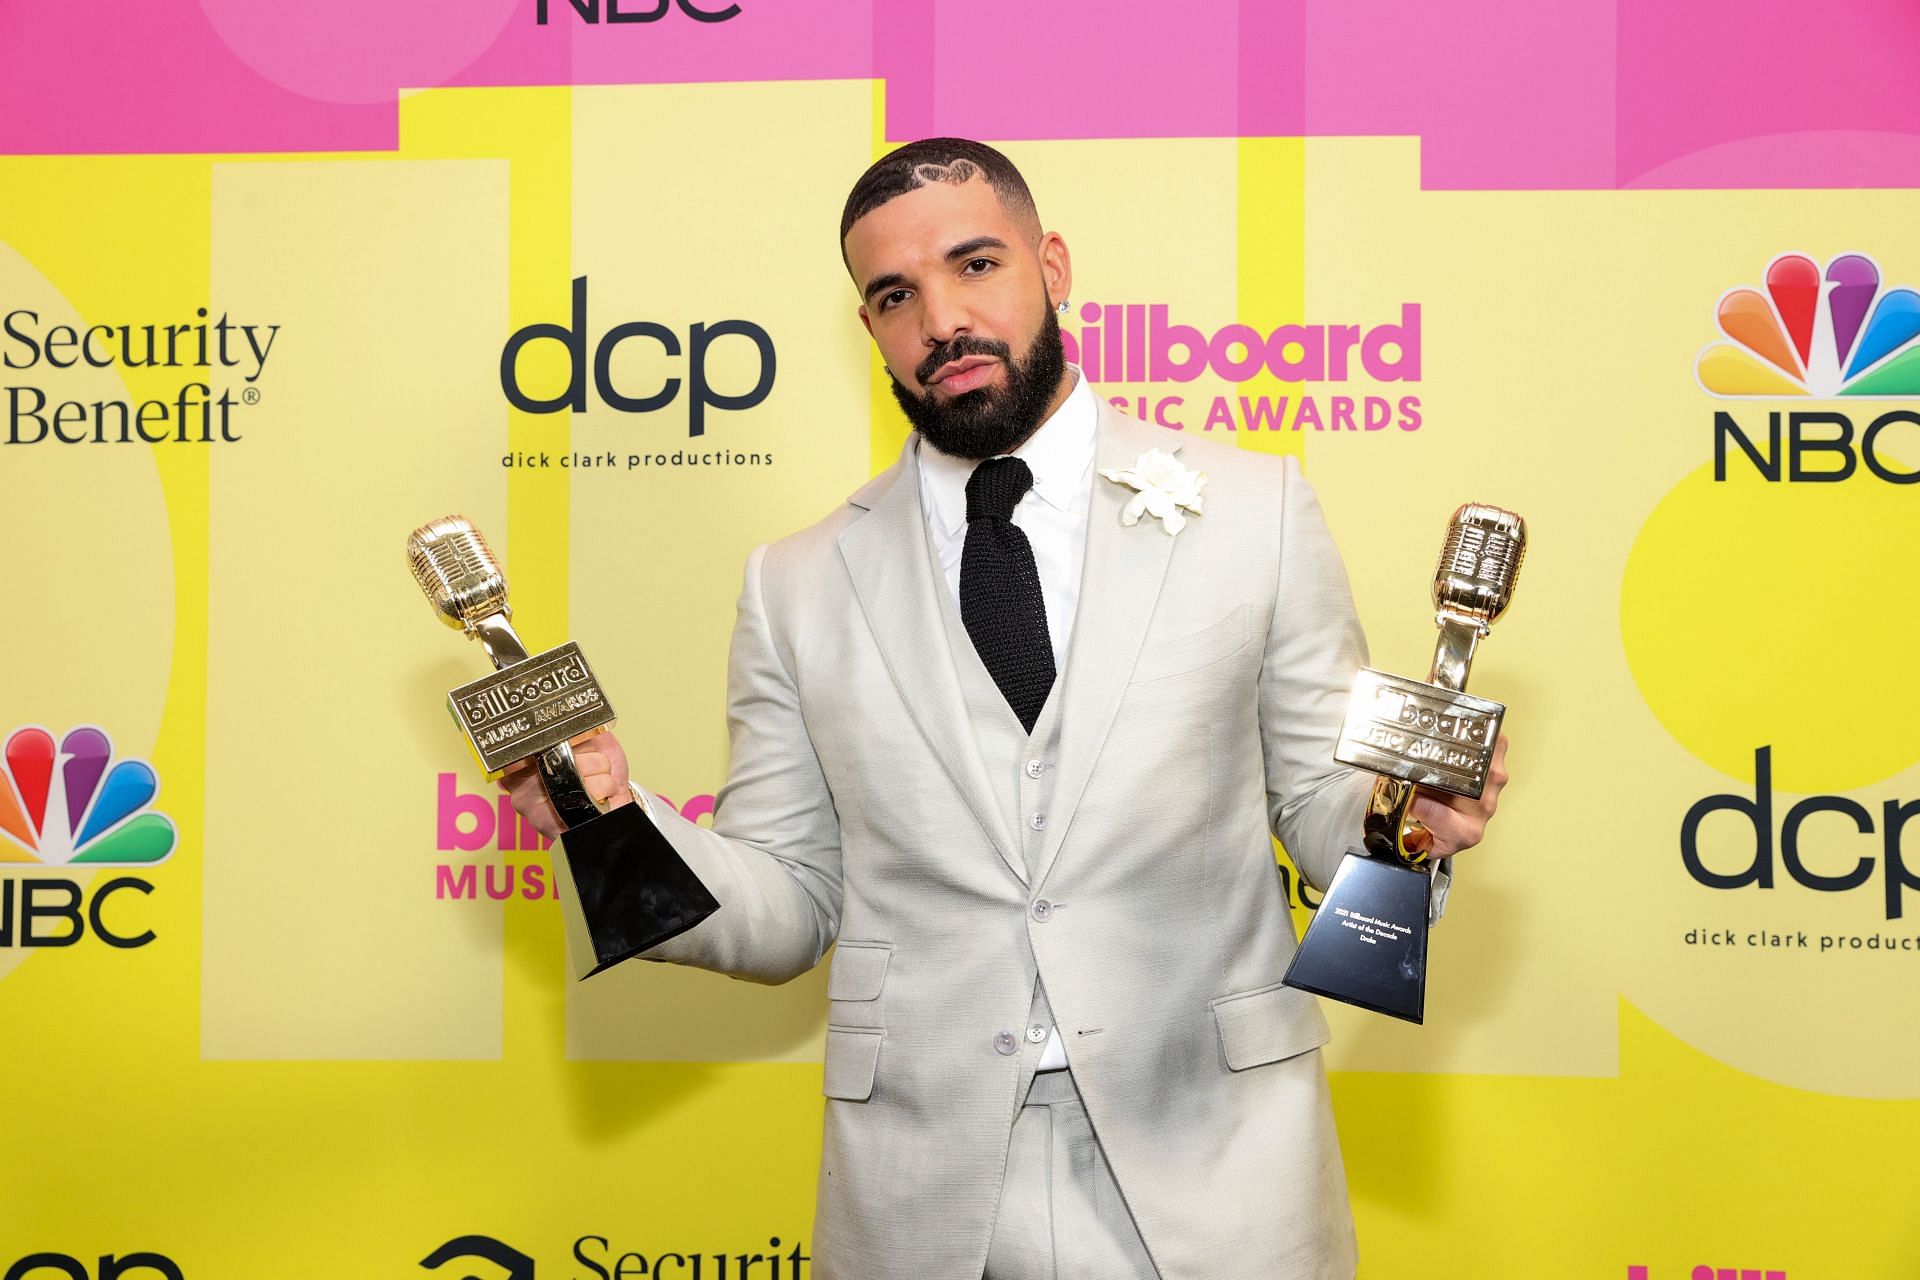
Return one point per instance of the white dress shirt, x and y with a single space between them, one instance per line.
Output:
1053 515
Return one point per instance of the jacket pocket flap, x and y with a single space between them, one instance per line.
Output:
1269 1024
852 1055
1190 652
859 969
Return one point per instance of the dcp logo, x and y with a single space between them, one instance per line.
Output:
701 339
133 1266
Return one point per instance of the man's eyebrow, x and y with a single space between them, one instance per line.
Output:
965 249
878 283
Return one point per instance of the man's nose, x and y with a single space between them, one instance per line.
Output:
943 316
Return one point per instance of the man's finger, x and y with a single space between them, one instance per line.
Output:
1456 823
1497 768
609 746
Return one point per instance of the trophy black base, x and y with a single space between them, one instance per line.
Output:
1367 945
634 890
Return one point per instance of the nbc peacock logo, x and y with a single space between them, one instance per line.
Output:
89 814
1821 334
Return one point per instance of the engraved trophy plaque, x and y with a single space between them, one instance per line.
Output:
1367 945
621 885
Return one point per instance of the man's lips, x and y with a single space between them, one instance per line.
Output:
963 375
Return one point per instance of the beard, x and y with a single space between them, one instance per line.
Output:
987 421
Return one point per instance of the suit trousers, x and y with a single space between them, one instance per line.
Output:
1061 1214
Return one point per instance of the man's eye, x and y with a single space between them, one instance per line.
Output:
893 299
985 264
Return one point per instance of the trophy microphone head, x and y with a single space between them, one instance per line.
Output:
1479 563
457 572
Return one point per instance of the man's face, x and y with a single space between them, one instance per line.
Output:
958 297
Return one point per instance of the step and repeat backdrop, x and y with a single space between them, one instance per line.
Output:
282 985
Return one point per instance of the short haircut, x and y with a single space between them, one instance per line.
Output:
931 160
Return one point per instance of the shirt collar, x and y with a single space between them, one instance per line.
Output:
1058 454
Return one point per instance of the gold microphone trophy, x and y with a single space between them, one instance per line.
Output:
1367 944
621 885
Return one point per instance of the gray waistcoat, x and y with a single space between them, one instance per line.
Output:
1021 765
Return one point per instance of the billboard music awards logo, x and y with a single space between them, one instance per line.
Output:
467 823
66 807
1705 1272
195 414
1136 344
1811 334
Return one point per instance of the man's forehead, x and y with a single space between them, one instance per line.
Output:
926 222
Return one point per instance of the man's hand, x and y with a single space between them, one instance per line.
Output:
1456 822
603 771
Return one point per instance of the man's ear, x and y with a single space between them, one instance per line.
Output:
867 323
1056 267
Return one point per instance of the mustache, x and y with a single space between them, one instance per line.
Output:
959 348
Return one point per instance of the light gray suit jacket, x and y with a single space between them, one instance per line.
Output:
1205 682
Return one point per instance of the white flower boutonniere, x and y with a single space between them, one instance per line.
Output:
1165 486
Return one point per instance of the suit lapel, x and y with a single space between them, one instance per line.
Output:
885 554
1119 586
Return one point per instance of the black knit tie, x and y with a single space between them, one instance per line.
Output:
1000 598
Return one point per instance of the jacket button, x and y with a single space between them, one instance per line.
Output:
1043 911
1005 1044
1038 822
1035 768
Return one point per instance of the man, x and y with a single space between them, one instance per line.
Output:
1022 758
